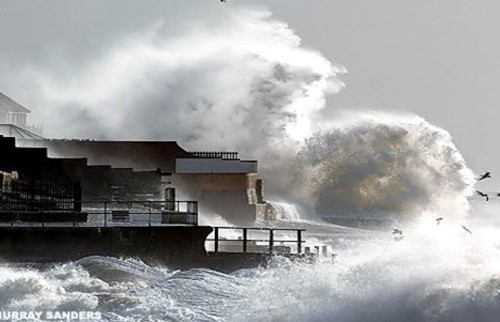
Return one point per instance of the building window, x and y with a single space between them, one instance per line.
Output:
16 118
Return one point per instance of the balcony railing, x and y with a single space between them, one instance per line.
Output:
100 213
230 155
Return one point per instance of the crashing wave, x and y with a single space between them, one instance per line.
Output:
377 163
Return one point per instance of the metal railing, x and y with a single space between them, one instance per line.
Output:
230 155
267 240
17 196
104 214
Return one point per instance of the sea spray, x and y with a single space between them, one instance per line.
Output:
241 81
436 273
378 163
282 211
237 79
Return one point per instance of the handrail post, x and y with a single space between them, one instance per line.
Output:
245 240
105 214
150 210
216 240
299 241
196 212
271 240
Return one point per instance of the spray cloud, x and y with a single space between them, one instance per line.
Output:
380 163
244 81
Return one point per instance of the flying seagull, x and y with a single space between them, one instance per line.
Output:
466 229
438 220
485 175
397 231
482 194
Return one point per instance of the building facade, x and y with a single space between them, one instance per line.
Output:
133 170
12 112
220 182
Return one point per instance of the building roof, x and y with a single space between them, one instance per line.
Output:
140 155
9 105
11 130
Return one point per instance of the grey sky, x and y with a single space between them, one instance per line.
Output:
437 59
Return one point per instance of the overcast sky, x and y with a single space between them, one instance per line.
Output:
437 59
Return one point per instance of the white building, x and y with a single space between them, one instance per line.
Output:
12 112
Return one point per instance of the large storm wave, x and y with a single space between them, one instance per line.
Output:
244 81
376 163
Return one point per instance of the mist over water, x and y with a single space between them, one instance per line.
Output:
436 273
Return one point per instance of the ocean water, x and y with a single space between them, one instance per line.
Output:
435 273
397 168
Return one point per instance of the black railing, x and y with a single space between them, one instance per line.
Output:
104 213
266 240
39 195
215 155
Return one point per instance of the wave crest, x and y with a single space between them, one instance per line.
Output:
378 163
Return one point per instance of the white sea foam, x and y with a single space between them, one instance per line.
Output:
283 211
436 273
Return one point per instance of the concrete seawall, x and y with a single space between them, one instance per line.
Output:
175 246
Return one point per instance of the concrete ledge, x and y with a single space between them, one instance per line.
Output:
44 217
174 246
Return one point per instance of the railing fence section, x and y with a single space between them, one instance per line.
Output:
229 155
256 240
103 213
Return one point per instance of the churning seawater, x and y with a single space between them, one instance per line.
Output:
435 273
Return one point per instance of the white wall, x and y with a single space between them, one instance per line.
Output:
198 165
